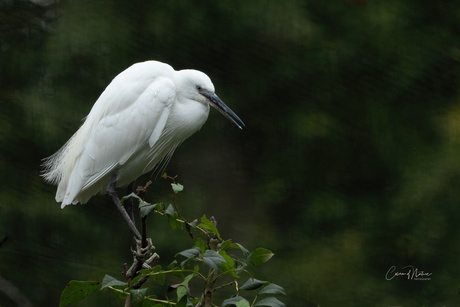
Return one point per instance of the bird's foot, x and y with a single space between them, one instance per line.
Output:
146 255
144 258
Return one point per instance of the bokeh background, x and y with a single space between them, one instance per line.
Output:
349 163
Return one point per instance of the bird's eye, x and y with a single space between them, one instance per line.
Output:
198 87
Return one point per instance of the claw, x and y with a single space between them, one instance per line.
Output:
144 253
144 257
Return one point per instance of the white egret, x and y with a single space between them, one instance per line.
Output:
139 120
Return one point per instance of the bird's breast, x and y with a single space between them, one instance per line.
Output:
187 117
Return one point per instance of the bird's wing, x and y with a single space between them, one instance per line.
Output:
114 137
128 85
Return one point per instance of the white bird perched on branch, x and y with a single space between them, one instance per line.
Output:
139 120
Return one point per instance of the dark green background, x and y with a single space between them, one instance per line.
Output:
349 163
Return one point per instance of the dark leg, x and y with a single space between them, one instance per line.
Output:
130 209
113 193
129 202
143 250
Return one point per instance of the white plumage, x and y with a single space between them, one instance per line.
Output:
139 119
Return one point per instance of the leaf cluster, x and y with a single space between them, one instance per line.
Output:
196 274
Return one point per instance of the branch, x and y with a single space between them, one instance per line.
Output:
210 281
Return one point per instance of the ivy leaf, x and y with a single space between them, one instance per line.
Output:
161 278
252 284
212 259
270 302
201 244
243 249
170 211
110 281
181 292
236 301
146 208
228 245
242 304
207 224
171 214
229 265
184 289
260 255
184 302
187 279
76 291
272 289
193 223
172 265
189 253
177 187
160 274
153 272
137 296
133 195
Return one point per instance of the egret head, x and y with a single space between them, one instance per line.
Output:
199 87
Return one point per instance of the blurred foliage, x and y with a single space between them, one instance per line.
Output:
349 163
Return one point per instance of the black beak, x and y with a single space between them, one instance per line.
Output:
215 101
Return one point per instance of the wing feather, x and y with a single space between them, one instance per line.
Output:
128 119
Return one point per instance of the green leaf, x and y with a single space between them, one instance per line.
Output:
184 302
242 304
229 265
109 281
252 284
147 272
201 245
272 289
236 301
178 273
76 291
137 296
228 245
260 255
189 253
243 249
212 259
136 279
170 210
133 195
181 292
207 224
270 302
241 265
187 279
161 278
155 269
177 187
146 208
184 290
172 265
193 223
171 214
